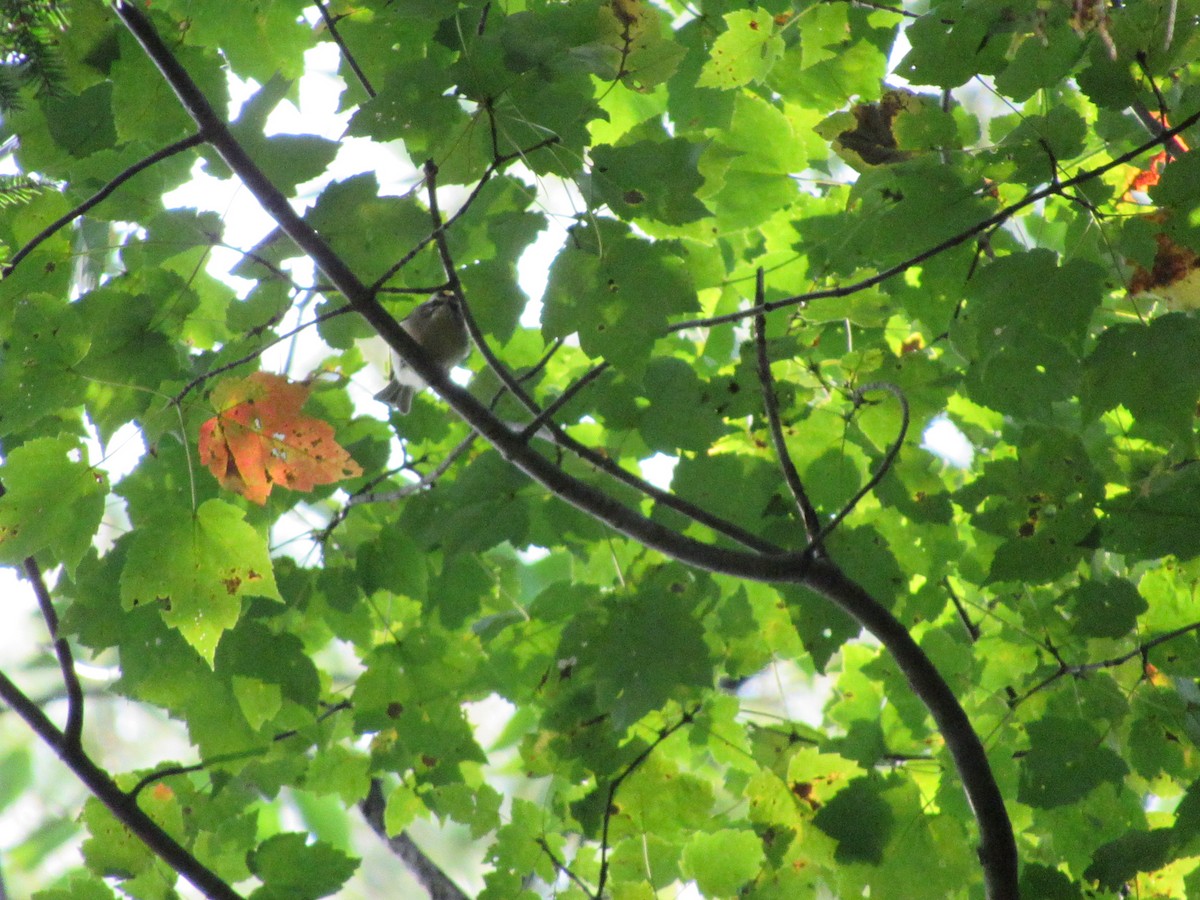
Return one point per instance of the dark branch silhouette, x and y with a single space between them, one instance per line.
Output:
1056 188
67 218
122 805
998 849
331 24
430 875
808 514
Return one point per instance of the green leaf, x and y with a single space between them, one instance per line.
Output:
616 292
1121 860
197 569
650 179
723 861
1161 518
632 674
53 502
1066 760
859 819
37 378
1147 369
1105 609
290 867
744 52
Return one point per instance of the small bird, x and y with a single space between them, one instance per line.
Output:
438 326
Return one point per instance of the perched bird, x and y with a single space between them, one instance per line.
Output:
438 326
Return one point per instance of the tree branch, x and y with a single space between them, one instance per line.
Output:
62 221
122 805
541 418
808 513
998 850
1163 138
1064 669
616 783
888 460
66 663
430 875
331 24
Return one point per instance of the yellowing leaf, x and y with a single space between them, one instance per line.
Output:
198 569
259 439
746 52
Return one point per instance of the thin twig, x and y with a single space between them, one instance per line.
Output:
949 243
1063 670
561 437
547 414
616 783
564 868
98 197
877 476
973 631
331 24
168 771
495 166
808 513
254 354
420 484
364 495
455 285
73 731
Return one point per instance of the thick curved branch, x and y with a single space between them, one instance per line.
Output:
998 851
122 805
998 848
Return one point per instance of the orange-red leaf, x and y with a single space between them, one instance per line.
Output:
259 439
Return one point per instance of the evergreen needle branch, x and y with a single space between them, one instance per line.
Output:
67 218
429 874
1163 138
331 24
808 513
120 804
998 847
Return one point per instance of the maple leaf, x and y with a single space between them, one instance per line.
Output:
259 439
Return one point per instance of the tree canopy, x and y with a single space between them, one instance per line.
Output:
663 592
